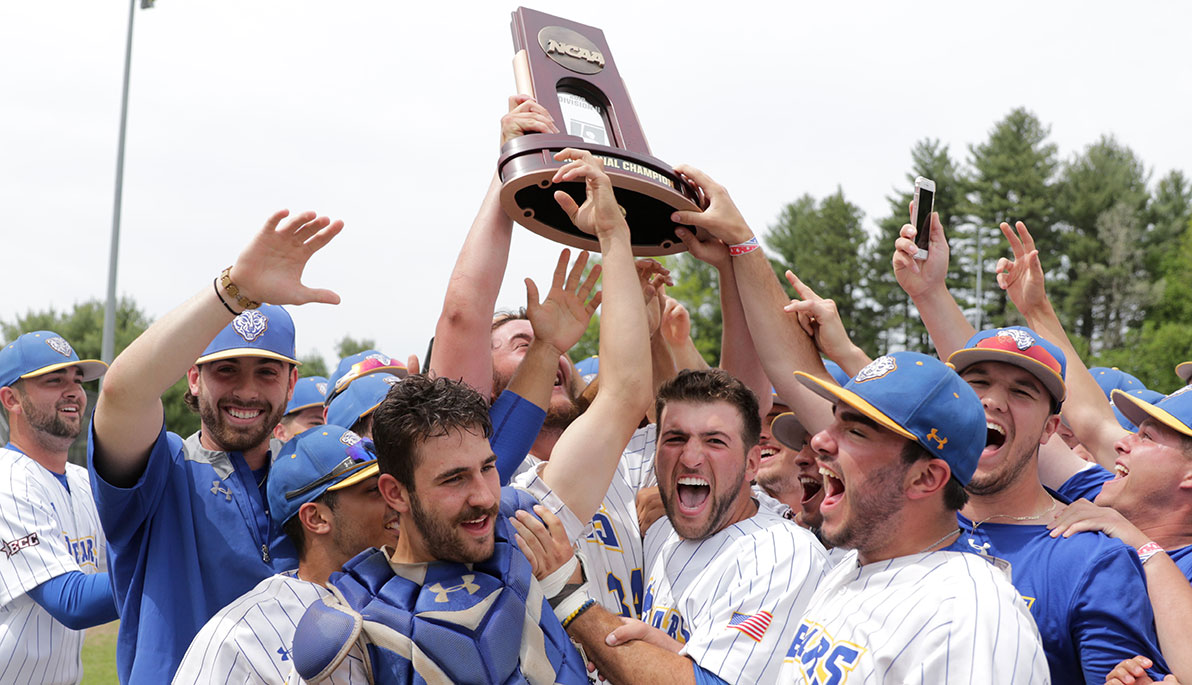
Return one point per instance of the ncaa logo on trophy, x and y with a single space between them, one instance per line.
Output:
568 69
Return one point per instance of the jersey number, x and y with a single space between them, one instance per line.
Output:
617 587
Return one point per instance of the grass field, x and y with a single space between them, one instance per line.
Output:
99 655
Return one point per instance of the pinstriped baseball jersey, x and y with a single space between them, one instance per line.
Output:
734 599
941 617
249 640
45 531
611 543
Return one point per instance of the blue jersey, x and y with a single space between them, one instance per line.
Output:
1085 484
1087 593
189 537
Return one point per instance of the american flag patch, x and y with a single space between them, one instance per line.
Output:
752 625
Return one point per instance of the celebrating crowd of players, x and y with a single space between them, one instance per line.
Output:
804 513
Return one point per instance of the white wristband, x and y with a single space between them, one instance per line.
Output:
553 584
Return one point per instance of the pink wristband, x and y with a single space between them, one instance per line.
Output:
1148 550
743 248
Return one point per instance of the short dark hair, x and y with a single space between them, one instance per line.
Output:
705 386
293 527
505 317
955 496
418 409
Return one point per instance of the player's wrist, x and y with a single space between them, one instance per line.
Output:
1148 550
231 294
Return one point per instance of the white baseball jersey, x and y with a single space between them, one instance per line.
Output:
249 640
611 543
45 531
940 617
734 599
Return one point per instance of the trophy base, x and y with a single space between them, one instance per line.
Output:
647 190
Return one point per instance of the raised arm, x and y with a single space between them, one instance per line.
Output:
558 322
463 335
586 456
1086 409
926 284
781 344
737 353
676 328
128 414
821 320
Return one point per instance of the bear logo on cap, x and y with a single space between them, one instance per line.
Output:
321 387
349 438
1022 339
876 369
250 325
60 346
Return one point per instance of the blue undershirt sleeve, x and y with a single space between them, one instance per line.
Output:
516 422
77 600
703 677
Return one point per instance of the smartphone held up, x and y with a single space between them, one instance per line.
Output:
921 208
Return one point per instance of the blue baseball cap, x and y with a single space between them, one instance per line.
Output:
588 368
1113 378
359 399
264 332
1173 411
1149 396
921 399
1184 371
41 352
308 392
319 459
1022 347
360 365
788 430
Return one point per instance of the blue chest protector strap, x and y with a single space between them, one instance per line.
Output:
487 623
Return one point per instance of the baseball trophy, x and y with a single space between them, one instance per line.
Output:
568 69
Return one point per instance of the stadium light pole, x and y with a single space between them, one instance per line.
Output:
108 344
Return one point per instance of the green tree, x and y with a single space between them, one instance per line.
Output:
1168 217
825 244
348 346
1011 179
1102 196
313 364
897 322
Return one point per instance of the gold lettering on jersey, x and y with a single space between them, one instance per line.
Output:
560 48
820 658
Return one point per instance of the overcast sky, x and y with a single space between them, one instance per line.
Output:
385 114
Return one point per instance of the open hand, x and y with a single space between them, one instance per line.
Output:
270 268
563 317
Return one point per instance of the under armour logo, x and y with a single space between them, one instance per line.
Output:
442 592
982 549
285 653
215 490
934 435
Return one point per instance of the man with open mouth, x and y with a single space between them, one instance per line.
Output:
55 562
904 441
1087 593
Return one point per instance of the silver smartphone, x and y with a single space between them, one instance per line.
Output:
921 208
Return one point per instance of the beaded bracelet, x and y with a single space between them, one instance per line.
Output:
225 280
576 614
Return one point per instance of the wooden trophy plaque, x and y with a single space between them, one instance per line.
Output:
568 69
